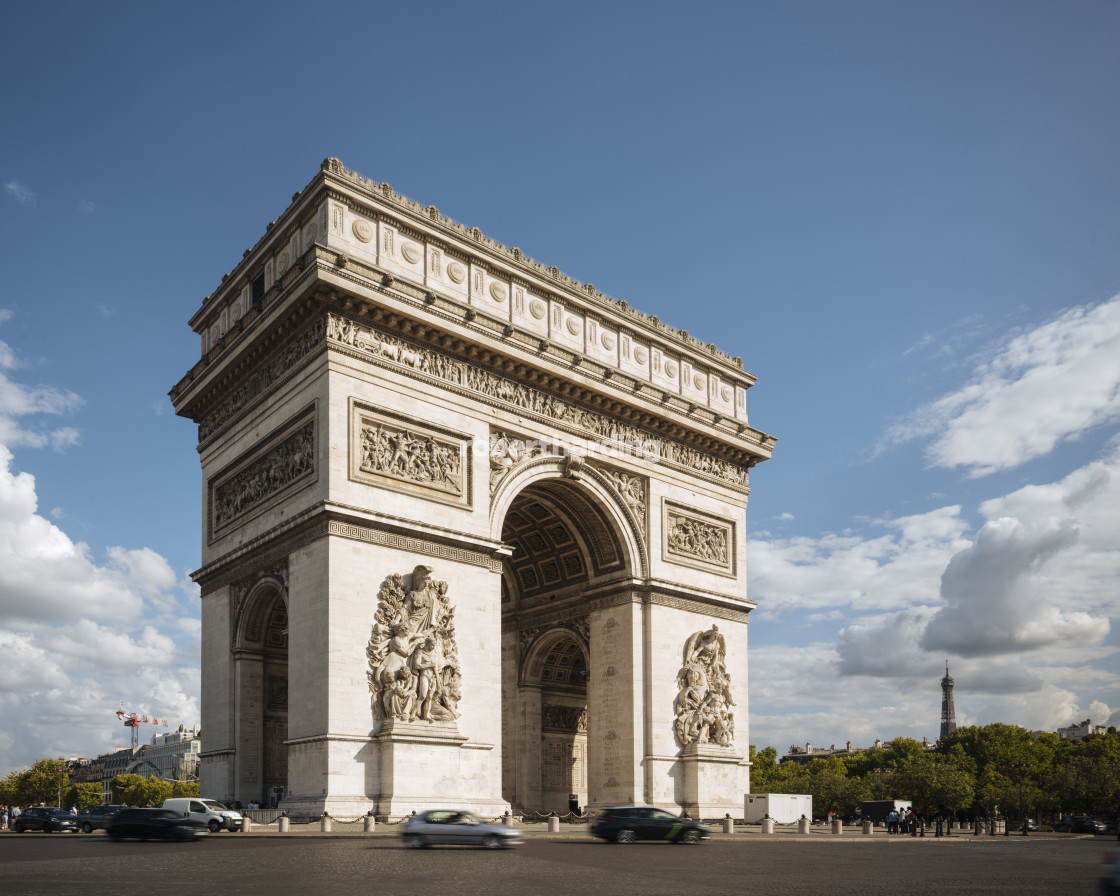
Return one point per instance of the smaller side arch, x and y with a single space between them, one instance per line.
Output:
536 655
254 611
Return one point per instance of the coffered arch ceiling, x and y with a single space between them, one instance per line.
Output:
561 542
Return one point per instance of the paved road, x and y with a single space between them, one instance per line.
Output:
231 864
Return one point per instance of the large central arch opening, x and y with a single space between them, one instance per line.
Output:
563 546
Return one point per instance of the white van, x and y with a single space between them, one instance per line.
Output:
208 812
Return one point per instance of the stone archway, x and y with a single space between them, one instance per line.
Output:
380 390
572 539
260 662
552 701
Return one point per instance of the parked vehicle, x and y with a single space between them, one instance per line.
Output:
47 819
1080 824
210 813
450 826
96 818
627 824
154 824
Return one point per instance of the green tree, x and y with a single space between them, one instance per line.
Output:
763 769
82 795
185 789
126 789
935 784
44 783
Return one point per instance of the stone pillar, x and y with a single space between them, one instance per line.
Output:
711 776
369 824
216 763
768 825
284 824
615 698
553 824
528 748
837 826
803 825
248 671
420 764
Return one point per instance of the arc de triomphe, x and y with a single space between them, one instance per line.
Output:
473 533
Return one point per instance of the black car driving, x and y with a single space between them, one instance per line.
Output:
627 824
154 824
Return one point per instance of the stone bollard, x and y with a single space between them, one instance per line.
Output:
868 827
553 823
767 825
246 824
284 824
507 820
837 826
803 825
325 823
369 823
728 824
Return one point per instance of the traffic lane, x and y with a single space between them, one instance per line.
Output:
246 865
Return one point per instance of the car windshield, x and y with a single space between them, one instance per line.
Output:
215 805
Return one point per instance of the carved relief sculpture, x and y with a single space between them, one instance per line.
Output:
695 541
290 460
633 491
703 714
398 452
413 658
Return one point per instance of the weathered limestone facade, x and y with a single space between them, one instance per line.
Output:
473 533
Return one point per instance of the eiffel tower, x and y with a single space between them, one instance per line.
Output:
948 714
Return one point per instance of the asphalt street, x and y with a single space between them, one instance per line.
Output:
229 864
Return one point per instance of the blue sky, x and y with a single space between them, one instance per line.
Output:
904 217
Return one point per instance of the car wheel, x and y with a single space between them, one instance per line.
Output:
87 828
47 829
113 835
492 842
625 836
19 828
690 838
415 842
214 826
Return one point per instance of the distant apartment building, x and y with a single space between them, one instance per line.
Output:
1081 730
172 757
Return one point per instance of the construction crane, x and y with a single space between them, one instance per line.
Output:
134 721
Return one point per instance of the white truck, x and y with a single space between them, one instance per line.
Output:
211 813
784 808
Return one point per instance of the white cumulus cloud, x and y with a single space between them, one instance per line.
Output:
1042 388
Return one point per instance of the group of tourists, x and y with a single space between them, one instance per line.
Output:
8 816
904 822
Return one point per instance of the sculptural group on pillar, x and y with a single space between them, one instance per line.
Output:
413 658
703 704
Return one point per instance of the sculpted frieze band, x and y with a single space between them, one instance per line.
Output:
623 437
284 464
288 357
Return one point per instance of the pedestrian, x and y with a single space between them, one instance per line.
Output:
3 818
892 822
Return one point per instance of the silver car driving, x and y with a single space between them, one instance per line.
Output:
451 826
